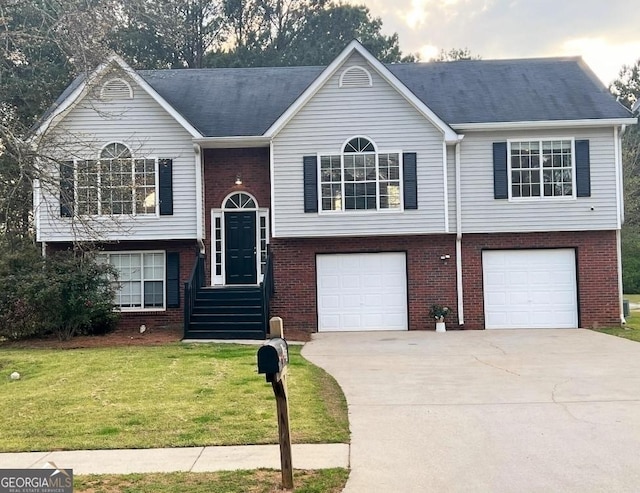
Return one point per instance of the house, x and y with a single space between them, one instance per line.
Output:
348 197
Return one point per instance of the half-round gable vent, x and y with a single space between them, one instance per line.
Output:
116 89
356 77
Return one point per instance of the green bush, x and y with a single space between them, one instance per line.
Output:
631 260
65 294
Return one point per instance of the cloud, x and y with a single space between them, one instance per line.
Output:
605 57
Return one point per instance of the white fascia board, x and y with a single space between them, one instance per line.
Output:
479 127
449 135
76 96
233 142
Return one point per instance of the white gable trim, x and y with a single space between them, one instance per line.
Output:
76 96
355 46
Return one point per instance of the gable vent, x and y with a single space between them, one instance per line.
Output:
116 89
356 77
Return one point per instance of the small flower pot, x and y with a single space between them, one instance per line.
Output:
441 326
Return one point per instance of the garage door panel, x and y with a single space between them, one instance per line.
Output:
539 285
365 292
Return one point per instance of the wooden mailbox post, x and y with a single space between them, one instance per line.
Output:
273 361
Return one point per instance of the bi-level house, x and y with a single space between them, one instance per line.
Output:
344 198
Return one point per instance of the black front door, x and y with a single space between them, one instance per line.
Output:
240 247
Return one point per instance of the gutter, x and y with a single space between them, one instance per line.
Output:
459 236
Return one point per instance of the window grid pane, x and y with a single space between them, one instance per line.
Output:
542 168
331 183
140 277
218 241
116 185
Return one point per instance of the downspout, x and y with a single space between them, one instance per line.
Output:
446 186
199 197
459 236
620 186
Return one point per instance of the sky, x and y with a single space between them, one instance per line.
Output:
605 33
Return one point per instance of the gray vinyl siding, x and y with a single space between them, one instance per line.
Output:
481 213
322 126
150 132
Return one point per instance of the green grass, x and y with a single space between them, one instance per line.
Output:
176 395
629 331
633 298
259 481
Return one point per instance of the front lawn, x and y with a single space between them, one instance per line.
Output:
177 395
259 481
629 331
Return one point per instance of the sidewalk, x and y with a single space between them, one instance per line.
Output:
193 459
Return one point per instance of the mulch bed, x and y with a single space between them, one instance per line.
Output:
151 337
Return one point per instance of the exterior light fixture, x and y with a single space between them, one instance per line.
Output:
238 179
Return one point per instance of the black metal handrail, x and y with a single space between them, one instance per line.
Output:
191 287
267 288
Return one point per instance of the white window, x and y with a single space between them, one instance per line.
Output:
141 279
360 178
116 183
541 168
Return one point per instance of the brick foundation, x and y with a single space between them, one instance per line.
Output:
171 317
430 280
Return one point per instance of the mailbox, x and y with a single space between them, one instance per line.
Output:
273 358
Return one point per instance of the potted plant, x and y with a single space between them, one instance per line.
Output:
438 312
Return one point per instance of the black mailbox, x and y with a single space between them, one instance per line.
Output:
273 358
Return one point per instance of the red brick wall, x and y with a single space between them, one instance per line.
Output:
430 280
171 317
221 167
596 253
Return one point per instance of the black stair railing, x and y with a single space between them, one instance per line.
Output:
267 288
191 287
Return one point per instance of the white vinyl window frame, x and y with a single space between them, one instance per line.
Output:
143 279
377 153
99 189
218 240
540 169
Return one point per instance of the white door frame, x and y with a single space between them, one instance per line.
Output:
218 244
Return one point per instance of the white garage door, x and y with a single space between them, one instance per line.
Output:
530 289
362 291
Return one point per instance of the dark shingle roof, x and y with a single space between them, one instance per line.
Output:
478 91
228 102
231 101
246 101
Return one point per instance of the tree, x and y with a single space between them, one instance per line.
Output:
627 90
300 32
167 33
455 54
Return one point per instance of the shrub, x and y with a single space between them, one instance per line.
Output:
65 294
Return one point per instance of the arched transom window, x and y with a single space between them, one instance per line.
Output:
360 178
240 200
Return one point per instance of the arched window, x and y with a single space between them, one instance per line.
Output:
360 178
115 150
240 200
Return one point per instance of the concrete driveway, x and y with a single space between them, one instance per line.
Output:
496 411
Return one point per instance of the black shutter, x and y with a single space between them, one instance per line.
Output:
583 169
500 180
67 197
410 177
310 167
166 186
173 280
